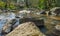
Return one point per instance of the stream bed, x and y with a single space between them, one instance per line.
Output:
5 17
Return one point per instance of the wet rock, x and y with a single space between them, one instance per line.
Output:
8 27
55 31
0 10
51 34
15 23
2 22
49 13
43 12
55 11
36 21
17 16
24 11
26 29
57 27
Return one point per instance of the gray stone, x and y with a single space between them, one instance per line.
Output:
55 11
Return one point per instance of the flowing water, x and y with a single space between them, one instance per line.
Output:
4 18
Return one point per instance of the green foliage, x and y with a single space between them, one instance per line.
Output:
47 4
2 4
11 6
58 3
41 4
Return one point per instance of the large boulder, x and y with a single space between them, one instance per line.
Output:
26 29
55 11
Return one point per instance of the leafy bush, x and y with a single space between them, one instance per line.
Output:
47 4
42 4
2 4
11 6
